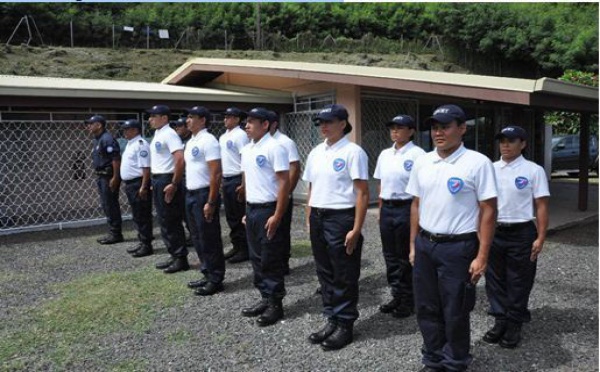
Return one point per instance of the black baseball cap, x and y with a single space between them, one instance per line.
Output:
201 111
159 110
234 111
130 123
335 111
96 119
259 113
445 114
512 132
273 117
178 123
403 121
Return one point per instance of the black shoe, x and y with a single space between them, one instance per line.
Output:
209 289
230 253
390 306
179 264
403 311
271 315
110 239
323 333
197 283
496 332
341 337
239 257
256 309
145 250
512 335
164 264
134 249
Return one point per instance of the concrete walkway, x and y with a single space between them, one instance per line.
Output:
563 204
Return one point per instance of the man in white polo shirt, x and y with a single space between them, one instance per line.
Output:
135 172
393 170
452 225
231 143
203 179
522 189
266 177
294 160
166 165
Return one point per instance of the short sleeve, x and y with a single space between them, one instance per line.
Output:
213 150
306 176
144 155
174 142
280 158
540 183
359 166
293 152
413 181
377 173
485 181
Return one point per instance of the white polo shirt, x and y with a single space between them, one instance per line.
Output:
232 142
289 145
165 142
519 183
135 157
200 149
331 171
393 169
260 161
450 190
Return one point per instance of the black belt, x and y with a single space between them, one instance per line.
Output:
512 226
197 191
160 175
445 238
129 182
329 211
396 202
262 205
232 177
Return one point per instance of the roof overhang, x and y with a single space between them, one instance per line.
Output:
529 92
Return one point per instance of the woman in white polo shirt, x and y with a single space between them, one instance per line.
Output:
337 173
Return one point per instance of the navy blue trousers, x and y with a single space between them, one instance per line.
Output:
110 205
169 215
444 298
267 256
337 271
394 226
206 235
286 226
510 273
141 210
234 211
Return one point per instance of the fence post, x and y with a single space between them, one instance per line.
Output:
71 27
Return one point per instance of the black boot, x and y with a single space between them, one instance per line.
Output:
164 264
390 306
272 314
111 239
240 256
256 309
145 250
323 333
135 248
197 283
179 264
341 337
230 253
512 336
209 289
404 310
496 332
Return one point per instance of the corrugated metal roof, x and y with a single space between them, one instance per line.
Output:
94 88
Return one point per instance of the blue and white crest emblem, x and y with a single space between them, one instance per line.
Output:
158 146
408 164
339 164
455 184
261 160
143 153
195 151
230 144
521 182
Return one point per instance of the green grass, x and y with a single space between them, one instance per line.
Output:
60 332
301 248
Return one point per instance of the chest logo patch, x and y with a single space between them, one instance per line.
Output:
339 164
408 164
261 160
143 153
455 184
157 146
195 151
109 149
521 182
230 145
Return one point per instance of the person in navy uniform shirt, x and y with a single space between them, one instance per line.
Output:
393 170
267 182
522 190
337 173
107 161
135 172
452 225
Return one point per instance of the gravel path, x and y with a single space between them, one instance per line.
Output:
563 335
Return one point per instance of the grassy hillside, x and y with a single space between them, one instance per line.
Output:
155 64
